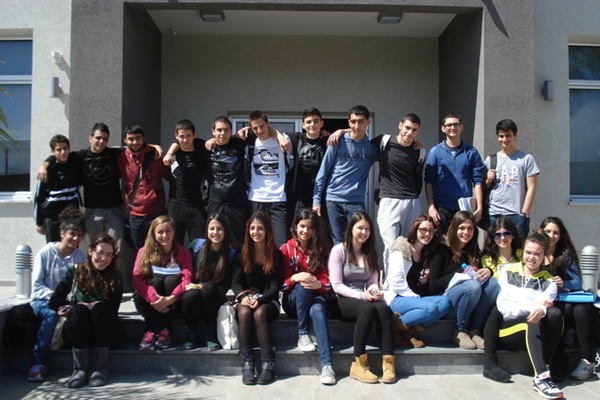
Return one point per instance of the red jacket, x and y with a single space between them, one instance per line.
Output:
294 261
150 196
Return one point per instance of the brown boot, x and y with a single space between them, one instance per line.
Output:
410 338
359 370
397 325
389 369
399 341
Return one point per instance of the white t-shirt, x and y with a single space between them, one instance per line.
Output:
267 183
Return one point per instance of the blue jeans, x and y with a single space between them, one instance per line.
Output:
44 336
521 221
300 303
139 226
472 303
421 310
339 214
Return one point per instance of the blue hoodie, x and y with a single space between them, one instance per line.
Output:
345 170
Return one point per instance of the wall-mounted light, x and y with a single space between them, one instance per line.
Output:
56 56
212 16
387 18
54 87
548 90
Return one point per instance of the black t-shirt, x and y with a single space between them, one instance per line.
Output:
187 169
101 184
227 180
309 156
401 174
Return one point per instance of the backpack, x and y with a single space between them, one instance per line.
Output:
20 332
484 222
382 145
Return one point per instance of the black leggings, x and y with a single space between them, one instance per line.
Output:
579 316
155 321
259 321
86 328
201 304
366 314
540 339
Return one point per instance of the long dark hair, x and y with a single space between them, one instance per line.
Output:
564 249
319 243
204 272
471 249
429 248
368 248
91 281
491 248
248 249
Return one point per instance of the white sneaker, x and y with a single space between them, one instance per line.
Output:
584 370
327 375
305 343
545 387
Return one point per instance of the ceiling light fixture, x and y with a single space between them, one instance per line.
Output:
389 19
212 16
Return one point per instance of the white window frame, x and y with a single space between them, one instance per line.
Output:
16 197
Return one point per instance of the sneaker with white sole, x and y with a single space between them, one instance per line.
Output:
545 387
37 373
305 343
584 370
327 375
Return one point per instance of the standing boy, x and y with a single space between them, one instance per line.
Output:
512 180
142 175
401 180
453 170
59 191
344 172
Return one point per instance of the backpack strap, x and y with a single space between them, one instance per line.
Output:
196 250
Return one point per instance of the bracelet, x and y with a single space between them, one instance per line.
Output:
525 214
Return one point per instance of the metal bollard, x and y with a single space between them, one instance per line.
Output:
24 265
589 269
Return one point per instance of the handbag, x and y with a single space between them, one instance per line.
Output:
227 324
58 339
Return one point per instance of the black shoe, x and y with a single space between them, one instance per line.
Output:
248 375
497 374
267 374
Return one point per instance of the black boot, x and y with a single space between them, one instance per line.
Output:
248 374
100 366
81 360
267 357
491 369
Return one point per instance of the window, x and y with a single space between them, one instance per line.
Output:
15 78
584 102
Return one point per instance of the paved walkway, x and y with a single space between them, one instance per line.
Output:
424 387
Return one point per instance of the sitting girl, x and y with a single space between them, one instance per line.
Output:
528 319
354 272
90 295
503 245
306 285
213 262
161 273
256 285
563 263
414 251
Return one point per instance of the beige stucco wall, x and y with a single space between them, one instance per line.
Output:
49 27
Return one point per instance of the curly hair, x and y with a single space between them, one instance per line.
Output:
471 249
91 281
204 272
491 248
427 250
152 252
318 245
248 248
368 248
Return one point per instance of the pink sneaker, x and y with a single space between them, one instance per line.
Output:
148 341
37 373
163 340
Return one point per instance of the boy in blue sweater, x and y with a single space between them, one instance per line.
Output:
344 174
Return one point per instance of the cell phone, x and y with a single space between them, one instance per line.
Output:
374 292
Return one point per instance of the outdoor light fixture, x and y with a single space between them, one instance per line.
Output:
548 90
385 18
212 16
56 56
54 87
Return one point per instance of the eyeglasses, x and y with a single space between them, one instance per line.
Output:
453 125
102 254
426 231
498 235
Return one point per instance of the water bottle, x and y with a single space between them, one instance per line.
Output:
469 270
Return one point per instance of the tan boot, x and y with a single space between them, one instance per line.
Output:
389 369
359 370
410 338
